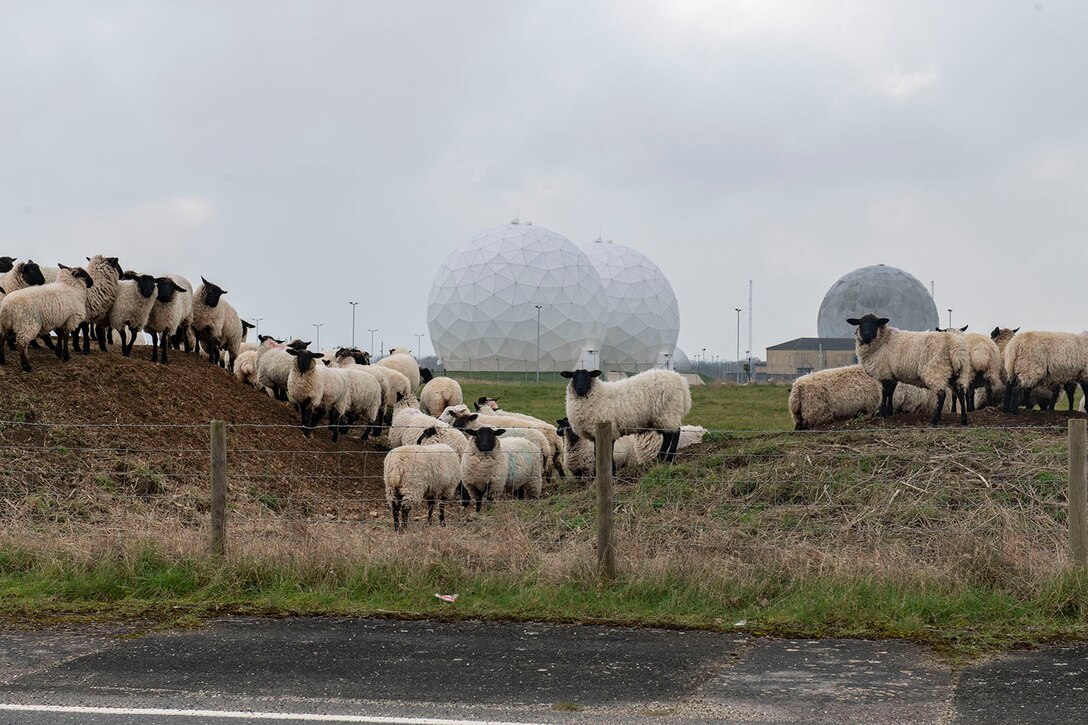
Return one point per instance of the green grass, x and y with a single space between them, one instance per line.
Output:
961 619
715 407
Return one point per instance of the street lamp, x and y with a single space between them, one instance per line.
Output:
258 321
537 341
419 344
949 318
317 326
353 306
738 345
372 338
704 358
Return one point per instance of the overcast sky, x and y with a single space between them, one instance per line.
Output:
309 153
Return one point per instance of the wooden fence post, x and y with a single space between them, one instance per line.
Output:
1078 491
606 551
219 488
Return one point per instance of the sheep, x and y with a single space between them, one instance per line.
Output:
274 365
335 397
417 473
1038 359
657 399
7 264
392 381
350 395
306 386
439 394
106 274
489 407
132 307
185 337
932 360
172 306
1045 397
459 417
484 466
245 369
22 275
404 364
843 393
32 311
986 367
629 451
212 322
408 421
691 435
230 334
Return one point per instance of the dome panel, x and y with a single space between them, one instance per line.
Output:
887 291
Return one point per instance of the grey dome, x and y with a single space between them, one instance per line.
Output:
680 362
887 291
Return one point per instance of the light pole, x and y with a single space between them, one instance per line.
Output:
537 341
353 306
949 318
372 338
258 321
419 344
704 359
317 326
738 344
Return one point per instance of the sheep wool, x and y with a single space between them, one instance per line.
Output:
404 364
32 311
1043 360
171 310
132 306
417 473
22 275
484 472
245 369
439 394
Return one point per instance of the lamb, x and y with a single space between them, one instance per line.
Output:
106 274
245 368
654 399
274 365
986 367
132 307
408 421
459 417
417 473
404 364
169 312
306 386
484 466
439 394
1044 359
932 360
32 311
847 392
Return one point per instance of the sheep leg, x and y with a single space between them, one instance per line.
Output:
403 517
48 341
1070 392
970 396
941 395
24 359
58 348
394 505
3 358
674 445
662 453
304 411
430 510
62 341
962 395
155 346
1010 396
888 395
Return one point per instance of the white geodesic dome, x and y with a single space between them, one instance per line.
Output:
643 316
481 311
680 362
888 291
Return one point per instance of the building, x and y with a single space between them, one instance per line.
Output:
803 355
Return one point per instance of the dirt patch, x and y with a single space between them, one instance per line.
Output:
987 418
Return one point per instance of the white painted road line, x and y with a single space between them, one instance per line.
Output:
240 715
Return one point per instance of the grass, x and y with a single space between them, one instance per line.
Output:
953 537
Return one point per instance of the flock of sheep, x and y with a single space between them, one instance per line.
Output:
913 372
440 449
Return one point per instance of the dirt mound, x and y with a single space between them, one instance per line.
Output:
985 418
103 419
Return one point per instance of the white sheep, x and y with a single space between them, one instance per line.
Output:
335 397
392 381
1043 360
214 320
844 393
106 274
439 394
459 417
171 309
1045 397
365 400
245 368
691 435
306 386
132 307
489 407
22 275
417 473
404 364
654 399
484 466
987 371
185 337
935 361
628 452
38 310
409 422
274 365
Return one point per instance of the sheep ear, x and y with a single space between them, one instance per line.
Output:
881 321
996 331
964 328
88 259
499 431
59 265
853 321
178 287
292 351
206 282
937 329
2 292
470 432
319 354
247 325
595 374
1016 330
567 374
481 400
474 416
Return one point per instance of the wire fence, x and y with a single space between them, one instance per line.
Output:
935 496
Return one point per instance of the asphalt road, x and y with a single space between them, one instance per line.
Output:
357 670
